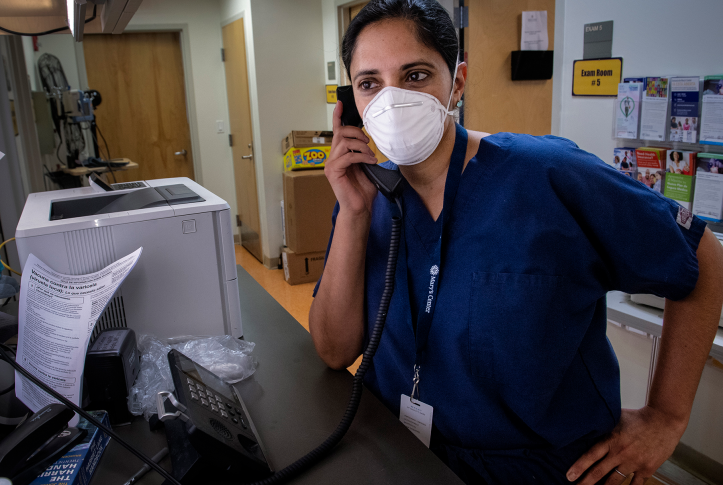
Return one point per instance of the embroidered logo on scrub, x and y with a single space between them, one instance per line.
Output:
684 218
434 271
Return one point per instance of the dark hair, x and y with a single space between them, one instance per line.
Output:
431 22
680 155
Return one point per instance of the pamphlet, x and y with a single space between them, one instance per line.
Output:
708 198
624 160
685 95
634 80
655 109
627 109
711 131
56 318
651 166
534 31
682 162
679 187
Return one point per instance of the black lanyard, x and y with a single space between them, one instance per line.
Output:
429 302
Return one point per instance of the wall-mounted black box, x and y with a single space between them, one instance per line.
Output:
532 65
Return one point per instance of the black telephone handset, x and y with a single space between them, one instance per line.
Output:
37 443
388 182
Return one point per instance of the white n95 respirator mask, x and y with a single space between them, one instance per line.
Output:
406 126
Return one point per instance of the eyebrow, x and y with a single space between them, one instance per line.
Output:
405 67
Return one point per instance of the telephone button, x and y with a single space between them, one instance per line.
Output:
194 396
224 414
214 408
204 402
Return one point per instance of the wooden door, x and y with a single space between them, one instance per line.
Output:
492 101
239 112
143 114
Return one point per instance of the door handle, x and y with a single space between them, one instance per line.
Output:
181 153
250 155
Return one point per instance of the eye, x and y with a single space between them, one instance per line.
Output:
367 84
417 76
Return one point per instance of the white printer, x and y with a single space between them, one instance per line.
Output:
185 280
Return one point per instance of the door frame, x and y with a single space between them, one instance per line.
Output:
255 124
185 44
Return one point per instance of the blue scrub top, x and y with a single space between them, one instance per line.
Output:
539 232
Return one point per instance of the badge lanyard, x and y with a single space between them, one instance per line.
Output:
426 312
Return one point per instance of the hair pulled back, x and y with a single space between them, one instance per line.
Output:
431 21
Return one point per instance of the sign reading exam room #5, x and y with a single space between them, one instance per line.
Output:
597 77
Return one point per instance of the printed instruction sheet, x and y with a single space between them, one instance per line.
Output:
534 31
56 319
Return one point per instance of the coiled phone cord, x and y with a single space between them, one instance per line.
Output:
315 455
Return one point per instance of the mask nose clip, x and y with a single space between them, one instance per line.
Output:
397 105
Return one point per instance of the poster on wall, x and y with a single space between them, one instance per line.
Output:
685 104
627 109
653 118
711 131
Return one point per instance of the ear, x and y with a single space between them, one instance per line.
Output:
459 82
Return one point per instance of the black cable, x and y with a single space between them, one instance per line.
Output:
315 455
52 31
87 416
107 151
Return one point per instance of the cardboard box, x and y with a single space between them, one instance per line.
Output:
651 166
305 139
304 158
302 268
77 466
308 205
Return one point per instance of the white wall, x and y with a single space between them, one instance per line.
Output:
286 87
201 42
653 38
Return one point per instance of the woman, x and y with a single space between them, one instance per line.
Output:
522 381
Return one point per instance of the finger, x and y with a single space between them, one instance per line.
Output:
615 478
592 456
353 145
638 479
336 118
351 132
345 161
599 471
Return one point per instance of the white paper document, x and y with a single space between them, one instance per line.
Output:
534 31
711 131
417 417
654 115
56 318
627 109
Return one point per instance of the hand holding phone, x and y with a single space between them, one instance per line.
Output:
388 182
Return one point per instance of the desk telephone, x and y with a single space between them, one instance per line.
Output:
207 417
217 422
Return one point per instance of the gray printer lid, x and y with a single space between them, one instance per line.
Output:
112 202
35 219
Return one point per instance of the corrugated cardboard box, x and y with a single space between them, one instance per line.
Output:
304 139
302 268
308 205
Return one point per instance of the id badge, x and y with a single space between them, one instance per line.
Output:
417 417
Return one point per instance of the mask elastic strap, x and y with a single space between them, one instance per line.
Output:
454 78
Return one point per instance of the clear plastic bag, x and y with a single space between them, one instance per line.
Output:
227 357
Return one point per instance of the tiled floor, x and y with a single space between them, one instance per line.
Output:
295 299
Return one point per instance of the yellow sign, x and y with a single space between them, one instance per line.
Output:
331 93
597 77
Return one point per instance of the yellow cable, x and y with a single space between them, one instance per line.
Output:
3 262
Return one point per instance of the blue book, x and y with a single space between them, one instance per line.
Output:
77 466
